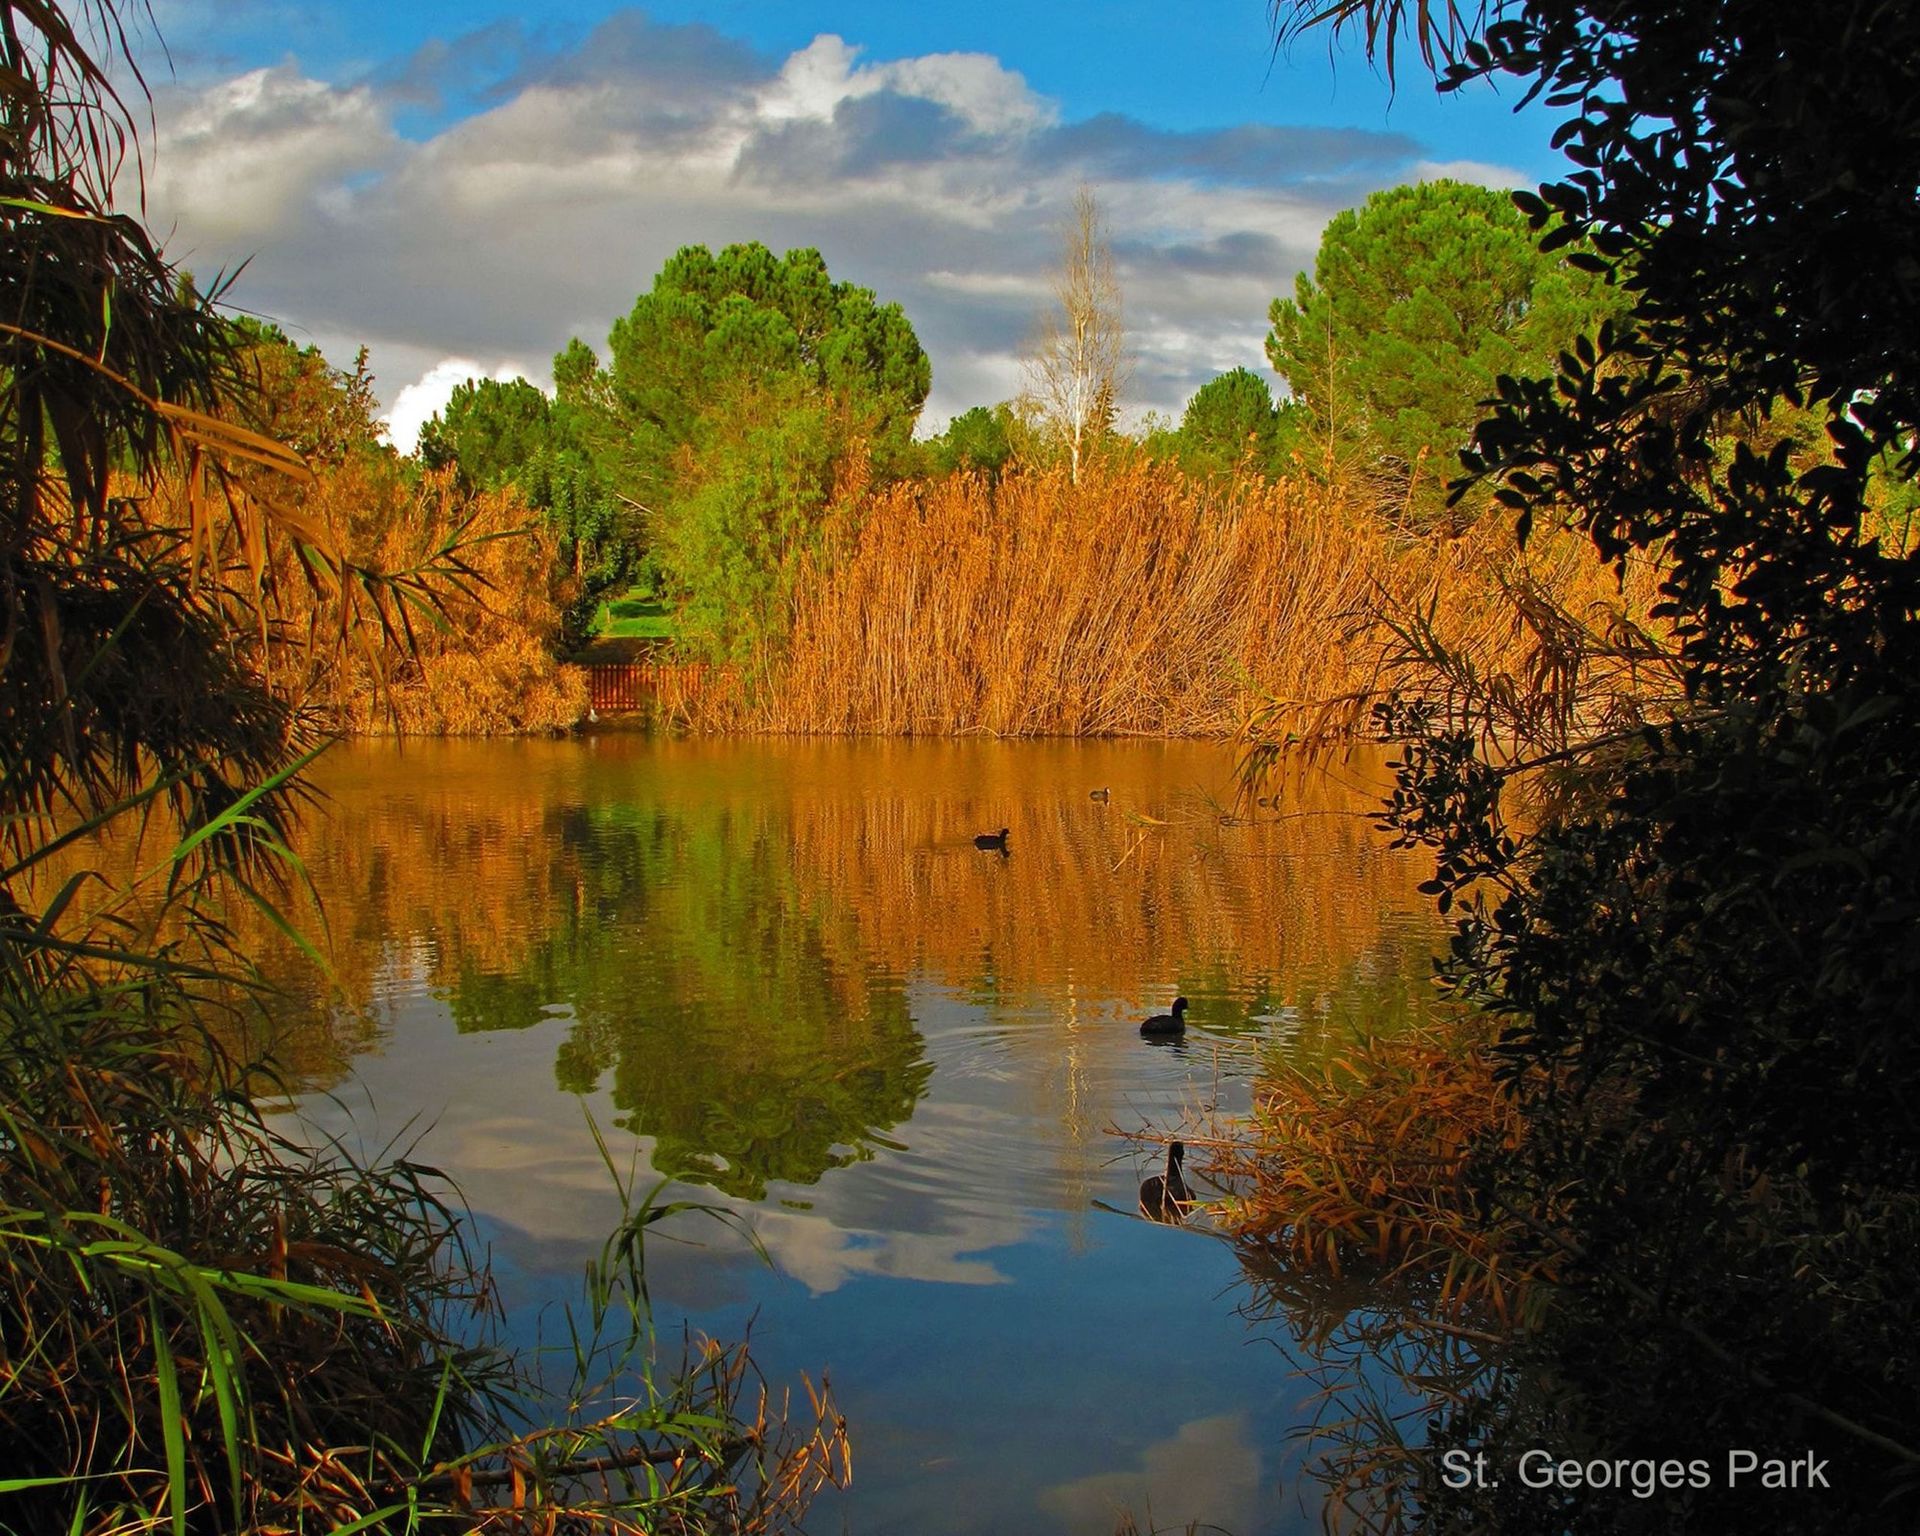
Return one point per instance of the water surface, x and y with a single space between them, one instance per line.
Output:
781 974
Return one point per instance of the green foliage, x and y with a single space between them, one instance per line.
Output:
293 395
979 440
738 392
1418 302
489 430
1230 423
1707 964
195 1306
759 482
831 1064
508 433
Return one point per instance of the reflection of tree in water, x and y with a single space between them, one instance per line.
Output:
727 923
742 1027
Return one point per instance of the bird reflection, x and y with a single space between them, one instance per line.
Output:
1165 1197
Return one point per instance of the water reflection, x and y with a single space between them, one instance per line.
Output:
729 927
740 1027
1207 1474
786 973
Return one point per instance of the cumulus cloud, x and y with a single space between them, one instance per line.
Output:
568 175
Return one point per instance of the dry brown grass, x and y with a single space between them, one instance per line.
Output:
1374 1157
1144 602
474 660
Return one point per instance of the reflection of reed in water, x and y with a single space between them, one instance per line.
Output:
730 925
484 851
1123 898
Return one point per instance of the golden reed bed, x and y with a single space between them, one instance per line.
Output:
1142 601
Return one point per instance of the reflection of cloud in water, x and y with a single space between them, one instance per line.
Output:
1209 1472
823 1256
549 1201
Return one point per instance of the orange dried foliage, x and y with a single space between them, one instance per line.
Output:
1369 1159
460 644
487 667
1141 601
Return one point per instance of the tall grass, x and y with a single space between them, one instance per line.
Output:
1378 1158
1142 601
207 1327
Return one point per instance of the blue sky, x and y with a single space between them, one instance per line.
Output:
463 187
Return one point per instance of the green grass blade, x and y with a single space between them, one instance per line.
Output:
238 810
172 1431
368 1522
222 1369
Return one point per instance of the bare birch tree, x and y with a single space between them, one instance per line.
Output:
1079 364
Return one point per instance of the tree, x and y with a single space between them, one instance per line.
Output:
497 434
980 440
1078 365
1230 422
740 390
1707 962
1418 302
489 430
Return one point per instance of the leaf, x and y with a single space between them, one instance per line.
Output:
172 1430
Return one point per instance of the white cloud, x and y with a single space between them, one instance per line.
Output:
415 404
814 81
1500 178
243 155
939 181
1208 1472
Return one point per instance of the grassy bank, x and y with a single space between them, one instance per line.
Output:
211 1327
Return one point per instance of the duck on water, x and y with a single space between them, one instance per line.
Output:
1174 1023
997 841
1165 1197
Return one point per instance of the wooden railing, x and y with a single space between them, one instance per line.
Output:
616 687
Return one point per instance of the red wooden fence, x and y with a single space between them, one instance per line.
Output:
614 687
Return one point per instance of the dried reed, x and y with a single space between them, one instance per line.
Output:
1140 601
1378 1157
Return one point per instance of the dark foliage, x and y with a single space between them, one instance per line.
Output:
1710 971
111 661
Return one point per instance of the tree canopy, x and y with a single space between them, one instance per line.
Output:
1419 300
490 430
738 392
980 439
1230 422
713 329
498 433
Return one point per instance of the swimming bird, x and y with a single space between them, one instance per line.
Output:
1098 794
992 840
1165 1197
1174 1023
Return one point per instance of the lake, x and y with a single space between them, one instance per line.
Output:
780 974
